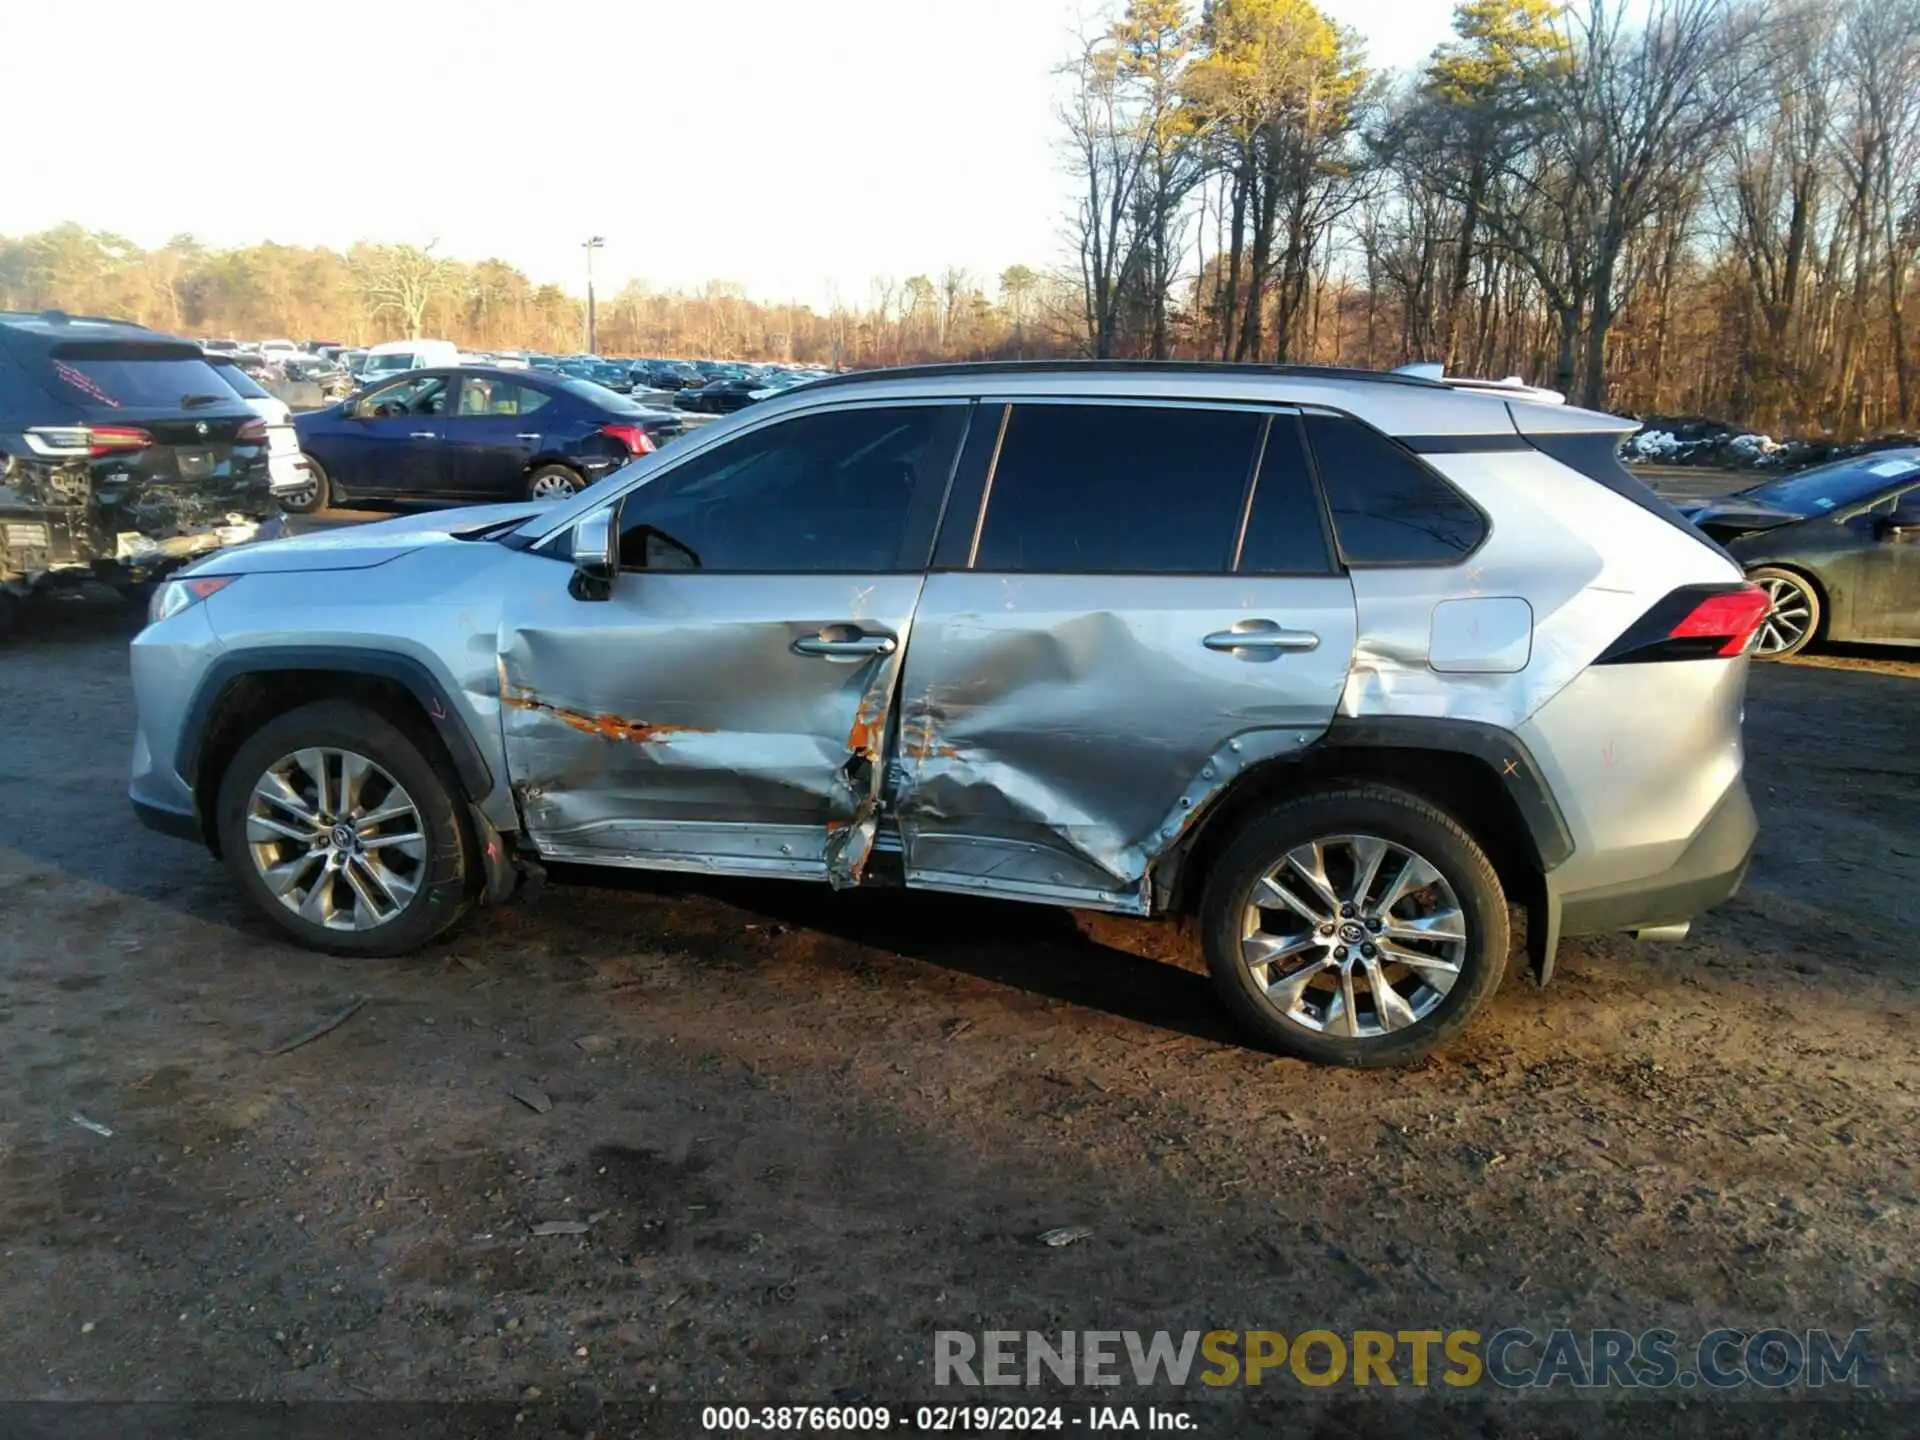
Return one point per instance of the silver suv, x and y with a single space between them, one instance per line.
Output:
1345 664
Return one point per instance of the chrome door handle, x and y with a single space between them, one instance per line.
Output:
526 435
852 644
1260 636
423 435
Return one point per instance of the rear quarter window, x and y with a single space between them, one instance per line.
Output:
1388 507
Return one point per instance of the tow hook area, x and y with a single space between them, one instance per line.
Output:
1664 934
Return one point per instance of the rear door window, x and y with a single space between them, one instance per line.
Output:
1388 508
1082 488
134 376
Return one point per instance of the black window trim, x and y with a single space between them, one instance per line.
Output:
1349 565
1262 408
1336 565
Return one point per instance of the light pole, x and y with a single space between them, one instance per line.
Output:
592 244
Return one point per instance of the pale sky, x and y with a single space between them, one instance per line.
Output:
793 146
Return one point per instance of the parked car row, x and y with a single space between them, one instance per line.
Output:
469 432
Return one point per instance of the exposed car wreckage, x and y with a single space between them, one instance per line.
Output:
69 512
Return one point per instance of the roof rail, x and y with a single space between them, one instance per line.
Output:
961 369
1513 387
61 317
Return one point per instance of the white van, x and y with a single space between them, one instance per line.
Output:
397 356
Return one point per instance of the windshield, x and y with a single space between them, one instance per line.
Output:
381 364
599 396
1835 486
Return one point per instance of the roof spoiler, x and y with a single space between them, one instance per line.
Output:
1513 387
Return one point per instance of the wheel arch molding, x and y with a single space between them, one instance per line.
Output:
356 667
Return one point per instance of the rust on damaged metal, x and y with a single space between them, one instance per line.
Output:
606 726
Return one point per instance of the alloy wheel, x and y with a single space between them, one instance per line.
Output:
1353 936
1789 615
337 839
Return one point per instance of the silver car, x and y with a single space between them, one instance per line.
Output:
1346 664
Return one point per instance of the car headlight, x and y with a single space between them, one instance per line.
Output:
176 595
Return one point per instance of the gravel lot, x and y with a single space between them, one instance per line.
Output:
807 1131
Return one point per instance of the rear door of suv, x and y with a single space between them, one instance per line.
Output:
1130 602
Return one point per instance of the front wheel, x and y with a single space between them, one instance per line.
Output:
344 832
1793 613
1355 927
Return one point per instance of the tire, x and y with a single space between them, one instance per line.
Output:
546 482
315 499
1793 619
1312 1023
441 866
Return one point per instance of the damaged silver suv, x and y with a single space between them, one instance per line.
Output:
1350 665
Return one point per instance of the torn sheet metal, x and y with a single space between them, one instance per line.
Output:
850 840
676 725
1057 734
62 512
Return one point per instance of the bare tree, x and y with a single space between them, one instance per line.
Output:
400 279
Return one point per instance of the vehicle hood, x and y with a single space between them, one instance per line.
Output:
1734 513
360 547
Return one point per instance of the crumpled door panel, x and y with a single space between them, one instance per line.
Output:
1058 733
701 721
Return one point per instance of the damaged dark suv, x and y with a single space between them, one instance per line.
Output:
122 455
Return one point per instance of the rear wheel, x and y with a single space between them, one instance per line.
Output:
1793 613
1355 927
311 498
345 833
554 482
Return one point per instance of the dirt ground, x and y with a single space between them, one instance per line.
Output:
807 1131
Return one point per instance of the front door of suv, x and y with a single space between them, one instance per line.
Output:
1129 603
726 709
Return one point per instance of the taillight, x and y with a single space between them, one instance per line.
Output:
251 432
116 439
637 441
1730 618
1695 622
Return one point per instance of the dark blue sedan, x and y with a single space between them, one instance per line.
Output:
469 434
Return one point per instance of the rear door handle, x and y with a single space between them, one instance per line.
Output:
846 642
1260 639
423 435
528 435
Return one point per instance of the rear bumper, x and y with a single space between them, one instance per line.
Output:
1708 871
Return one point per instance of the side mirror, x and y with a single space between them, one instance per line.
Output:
596 554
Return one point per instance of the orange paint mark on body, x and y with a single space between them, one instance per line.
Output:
607 727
